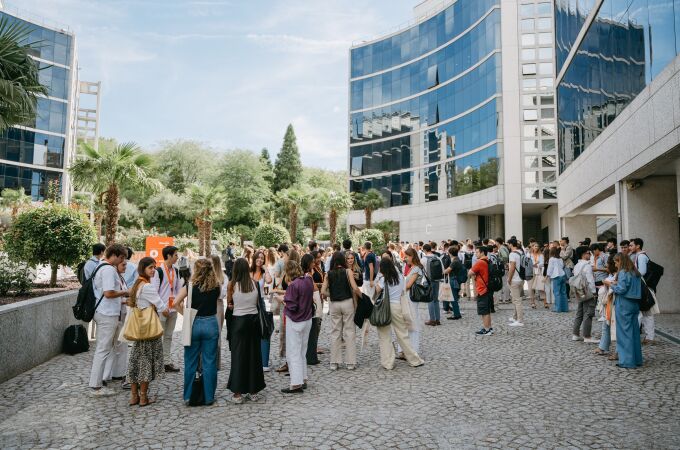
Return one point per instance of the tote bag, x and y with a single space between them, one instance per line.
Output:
381 316
142 325
188 318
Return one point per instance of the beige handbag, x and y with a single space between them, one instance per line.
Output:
406 310
142 325
318 304
188 317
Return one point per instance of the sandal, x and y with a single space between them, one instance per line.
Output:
613 357
599 351
148 401
283 368
134 401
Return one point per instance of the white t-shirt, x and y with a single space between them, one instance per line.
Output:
395 291
108 279
516 258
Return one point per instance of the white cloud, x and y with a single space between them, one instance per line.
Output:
299 44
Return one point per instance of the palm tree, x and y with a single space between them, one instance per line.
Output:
335 203
293 200
19 82
206 202
14 199
106 171
314 213
369 201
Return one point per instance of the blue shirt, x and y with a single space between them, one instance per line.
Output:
640 260
370 259
628 285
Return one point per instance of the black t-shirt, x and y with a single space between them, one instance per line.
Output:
205 302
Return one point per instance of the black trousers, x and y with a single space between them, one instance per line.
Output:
312 343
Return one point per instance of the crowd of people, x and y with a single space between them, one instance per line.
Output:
232 296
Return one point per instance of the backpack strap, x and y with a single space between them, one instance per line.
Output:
92 278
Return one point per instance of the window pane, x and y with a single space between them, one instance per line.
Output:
548 145
531 162
528 54
548 113
530 131
531 177
545 68
528 69
529 83
530 114
531 193
544 24
530 146
549 176
543 9
545 53
527 25
528 39
547 130
545 38
547 100
549 161
547 82
529 100
526 10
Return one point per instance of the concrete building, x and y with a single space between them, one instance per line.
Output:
452 119
33 154
618 100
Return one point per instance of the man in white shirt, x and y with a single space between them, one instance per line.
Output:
641 261
516 283
168 283
93 262
111 294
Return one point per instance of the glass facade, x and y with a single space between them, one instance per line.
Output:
424 107
626 47
44 144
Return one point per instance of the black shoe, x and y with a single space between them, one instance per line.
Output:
304 386
313 363
457 317
292 391
117 378
171 368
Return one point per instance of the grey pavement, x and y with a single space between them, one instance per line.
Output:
529 387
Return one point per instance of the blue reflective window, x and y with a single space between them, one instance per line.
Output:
32 148
34 182
51 116
397 189
50 45
473 173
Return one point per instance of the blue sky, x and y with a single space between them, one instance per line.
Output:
229 73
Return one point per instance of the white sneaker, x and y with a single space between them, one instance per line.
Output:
102 392
591 341
351 367
511 319
266 369
516 324
575 337
334 367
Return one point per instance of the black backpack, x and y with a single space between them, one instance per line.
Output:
495 283
75 340
87 303
467 260
80 271
653 275
435 268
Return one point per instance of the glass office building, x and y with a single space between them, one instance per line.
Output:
37 152
430 128
627 44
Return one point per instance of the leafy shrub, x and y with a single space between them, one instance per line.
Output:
185 242
370 234
323 236
16 277
270 235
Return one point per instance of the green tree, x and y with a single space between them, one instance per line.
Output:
182 163
369 201
270 235
105 171
206 203
53 235
314 212
19 82
168 212
267 167
246 190
287 169
335 203
14 200
293 200
389 229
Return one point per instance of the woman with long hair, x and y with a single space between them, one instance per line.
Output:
353 265
392 282
317 272
341 289
222 280
558 280
608 314
205 290
536 285
261 276
243 297
415 275
299 309
146 357
627 291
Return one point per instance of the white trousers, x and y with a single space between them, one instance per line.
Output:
647 324
168 324
110 355
297 335
414 334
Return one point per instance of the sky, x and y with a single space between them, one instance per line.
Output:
230 73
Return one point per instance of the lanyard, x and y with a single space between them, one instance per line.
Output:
171 279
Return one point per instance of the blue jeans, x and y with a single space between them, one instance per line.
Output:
455 292
606 339
204 340
559 286
264 348
433 306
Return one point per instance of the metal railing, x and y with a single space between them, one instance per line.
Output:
28 16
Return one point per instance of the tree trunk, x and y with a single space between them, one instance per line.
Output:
15 211
199 232
315 227
332 225
208 237
53 275
368 213
98 219
112 213
293 223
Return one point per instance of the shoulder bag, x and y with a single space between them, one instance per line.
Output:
142 324
381 316
421 293
266 318
188 317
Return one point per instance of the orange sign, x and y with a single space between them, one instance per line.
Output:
155 244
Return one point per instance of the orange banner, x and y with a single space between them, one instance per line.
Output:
155 244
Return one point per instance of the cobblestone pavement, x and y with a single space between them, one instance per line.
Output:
528 387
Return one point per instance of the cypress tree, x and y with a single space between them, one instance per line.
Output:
287 169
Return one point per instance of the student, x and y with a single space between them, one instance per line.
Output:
168 283
516 284
433 305
585 309
92 263
566 254
557 277
370 270
480 273
641 261
415 275
260 275
109 287
453 271
130 274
